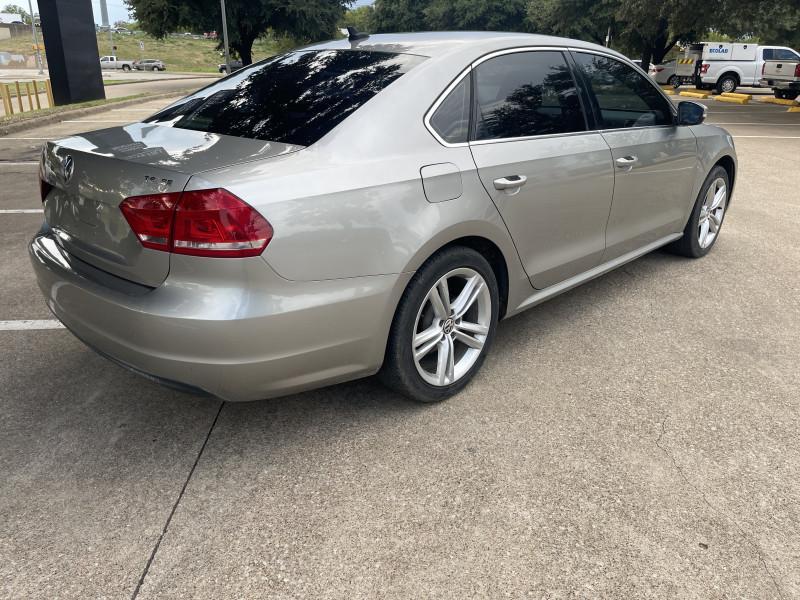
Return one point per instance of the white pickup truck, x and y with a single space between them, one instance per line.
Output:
783 76
111 62
726 66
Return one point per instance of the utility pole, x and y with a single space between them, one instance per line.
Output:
608 37
35 40
225 38
104 22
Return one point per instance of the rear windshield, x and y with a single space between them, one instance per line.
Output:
295 98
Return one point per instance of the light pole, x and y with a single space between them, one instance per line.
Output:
35 40
225 38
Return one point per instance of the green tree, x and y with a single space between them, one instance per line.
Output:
361 17
482 15
17 10
400 15
303 20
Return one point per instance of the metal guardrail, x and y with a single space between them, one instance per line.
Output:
26 96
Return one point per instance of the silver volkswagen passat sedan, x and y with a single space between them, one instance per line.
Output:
369 205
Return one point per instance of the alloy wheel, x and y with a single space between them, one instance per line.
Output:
712 212
452 326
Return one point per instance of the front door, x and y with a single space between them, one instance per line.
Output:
655 161
550 178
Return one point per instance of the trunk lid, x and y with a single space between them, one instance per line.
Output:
93 173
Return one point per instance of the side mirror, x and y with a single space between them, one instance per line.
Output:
691 113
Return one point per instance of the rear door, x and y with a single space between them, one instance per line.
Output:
655 161
550 178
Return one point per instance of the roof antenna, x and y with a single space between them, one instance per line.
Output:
353 34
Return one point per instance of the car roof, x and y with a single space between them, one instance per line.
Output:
439 43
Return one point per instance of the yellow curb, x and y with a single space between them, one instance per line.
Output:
794 109
736 95
695 94
668 91
731 100
781 101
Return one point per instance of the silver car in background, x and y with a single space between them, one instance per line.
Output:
369 206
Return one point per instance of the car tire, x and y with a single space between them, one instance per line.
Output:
126 67
778 93
422 339
791 95
694 244
674 81
727 84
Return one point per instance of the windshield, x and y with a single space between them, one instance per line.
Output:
295 98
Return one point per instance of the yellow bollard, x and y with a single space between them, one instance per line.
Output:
736 95
49 88
6 99
781 101
731 100
794 109
19 98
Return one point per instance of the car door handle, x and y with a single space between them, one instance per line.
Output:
509 183
627 162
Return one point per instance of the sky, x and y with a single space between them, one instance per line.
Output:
117 11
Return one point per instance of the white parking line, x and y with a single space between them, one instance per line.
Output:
24 325
20 211
768 137
98 121
16 139
18 163
770 124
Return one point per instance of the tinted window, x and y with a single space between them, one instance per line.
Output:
624 97
451 119
295 98
526 93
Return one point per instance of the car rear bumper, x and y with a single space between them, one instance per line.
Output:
232 328
781 84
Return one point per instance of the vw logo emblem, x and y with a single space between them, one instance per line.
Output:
67 167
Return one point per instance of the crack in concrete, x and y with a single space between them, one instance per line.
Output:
147 566
719 511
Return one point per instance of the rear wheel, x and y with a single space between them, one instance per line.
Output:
674 81
443 327
727 84
126 67
705 222
778 93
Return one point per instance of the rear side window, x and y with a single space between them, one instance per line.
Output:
625 98
295 98
525 94
451 119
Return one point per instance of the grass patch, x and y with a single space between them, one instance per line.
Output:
179 53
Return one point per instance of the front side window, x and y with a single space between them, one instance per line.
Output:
625 98
782 54
525 94
295 98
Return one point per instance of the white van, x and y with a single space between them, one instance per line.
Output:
726 66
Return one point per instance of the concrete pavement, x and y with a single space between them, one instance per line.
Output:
633 438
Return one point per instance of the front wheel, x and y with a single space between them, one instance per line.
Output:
443 327
705 222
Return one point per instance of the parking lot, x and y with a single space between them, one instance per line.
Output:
635 437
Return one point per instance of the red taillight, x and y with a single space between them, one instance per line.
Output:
199 223
217 223
763 68
704 68
797 70
44 188
150 217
